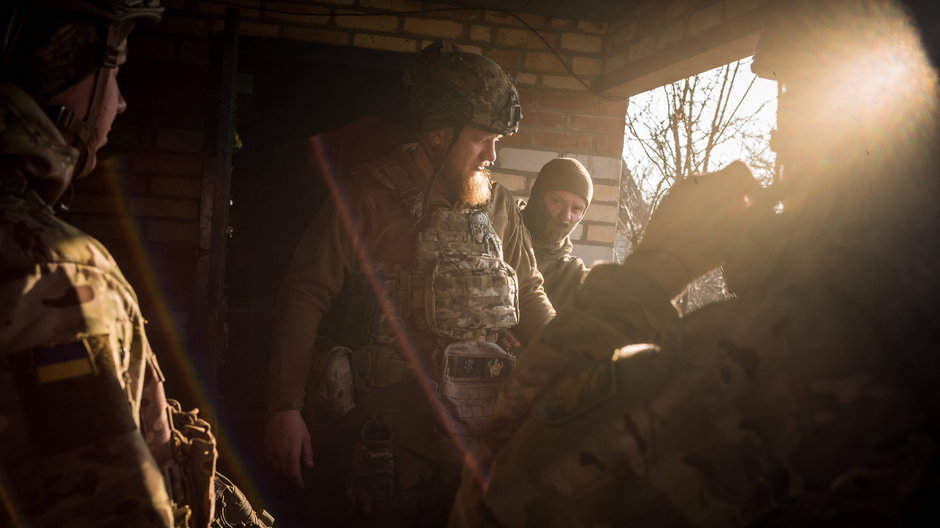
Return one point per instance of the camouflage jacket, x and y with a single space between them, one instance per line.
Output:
561 271
368 221
82 411
808 400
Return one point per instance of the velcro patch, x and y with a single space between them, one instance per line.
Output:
60 362
478 367
71 394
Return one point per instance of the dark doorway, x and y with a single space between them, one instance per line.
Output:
352 104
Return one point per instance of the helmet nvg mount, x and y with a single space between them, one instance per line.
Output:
449 86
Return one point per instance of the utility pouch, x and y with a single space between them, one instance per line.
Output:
335 388
386 367
471 296
472 374
189 474
370 485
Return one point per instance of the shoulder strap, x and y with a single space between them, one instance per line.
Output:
392 175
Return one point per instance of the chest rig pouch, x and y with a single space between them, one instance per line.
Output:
470 295
469 292
458 289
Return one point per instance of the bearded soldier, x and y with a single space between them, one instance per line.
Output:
396 300
810 399
87 436
559 199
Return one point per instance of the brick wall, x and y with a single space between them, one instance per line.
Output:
661 41
143 201
146 201
148 207
560 115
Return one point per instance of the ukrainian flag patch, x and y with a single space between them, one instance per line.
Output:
62 362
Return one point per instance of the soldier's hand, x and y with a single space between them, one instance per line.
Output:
287 444
693 225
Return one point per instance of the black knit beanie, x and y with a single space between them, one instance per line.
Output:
560 174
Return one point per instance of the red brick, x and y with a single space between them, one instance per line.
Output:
391 5
130 137
176 187
519 139
95 203
562 141
505 19
182 25
323 36
612 107
433 27
172 231
166 162
194 53
592 27
580 103
504 57
163 208
529 97
581 142
179 140
562 23
521 38
98 226
563 82
481 33
577 42
310 14
380 42
151 48
610 125
376 23
609 145
257 29
542 119
544 62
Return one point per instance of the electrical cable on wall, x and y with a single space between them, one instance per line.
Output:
422 12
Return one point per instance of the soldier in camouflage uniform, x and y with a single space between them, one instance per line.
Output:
87 436
390 317
559 199
811 398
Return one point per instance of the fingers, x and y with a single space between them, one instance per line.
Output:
287 444
306 451
293 469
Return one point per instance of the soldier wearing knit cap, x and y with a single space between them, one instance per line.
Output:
560 197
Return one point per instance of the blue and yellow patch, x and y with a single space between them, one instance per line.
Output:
61 362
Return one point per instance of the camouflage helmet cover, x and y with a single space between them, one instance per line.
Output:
48 45
450 86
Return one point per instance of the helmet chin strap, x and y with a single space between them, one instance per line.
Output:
437 172
83 129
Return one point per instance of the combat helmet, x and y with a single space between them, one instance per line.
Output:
450 86
50 45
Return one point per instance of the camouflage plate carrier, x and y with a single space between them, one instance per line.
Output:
459 289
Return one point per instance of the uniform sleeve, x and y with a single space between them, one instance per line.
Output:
562 279
613 308
72 451
321 261
535 310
